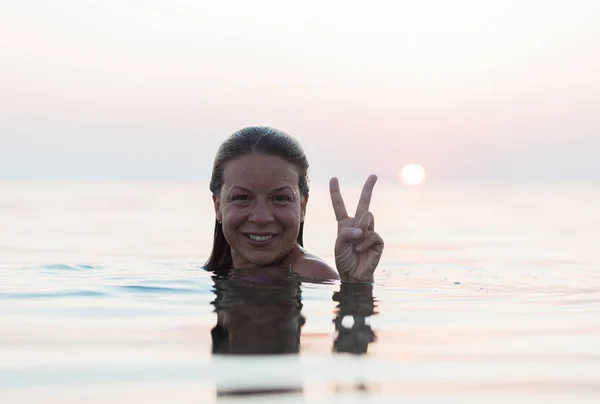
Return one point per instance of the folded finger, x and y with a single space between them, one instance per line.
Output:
366 222
372 240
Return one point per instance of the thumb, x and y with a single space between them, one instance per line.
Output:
347 235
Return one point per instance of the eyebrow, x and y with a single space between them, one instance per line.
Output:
285 187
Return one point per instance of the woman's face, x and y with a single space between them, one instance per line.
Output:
261 209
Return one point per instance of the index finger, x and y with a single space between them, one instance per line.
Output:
365 196
336 199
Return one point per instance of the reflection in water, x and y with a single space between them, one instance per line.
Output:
354 334
259 313
356 306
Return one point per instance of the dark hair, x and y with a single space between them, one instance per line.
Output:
250 140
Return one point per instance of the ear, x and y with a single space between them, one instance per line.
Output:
217 205
303 208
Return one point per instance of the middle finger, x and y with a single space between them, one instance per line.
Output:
365 196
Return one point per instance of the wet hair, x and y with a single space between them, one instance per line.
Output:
251 140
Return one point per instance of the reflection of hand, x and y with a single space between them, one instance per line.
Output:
358 247
356 303
355 299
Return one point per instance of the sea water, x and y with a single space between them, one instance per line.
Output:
484 292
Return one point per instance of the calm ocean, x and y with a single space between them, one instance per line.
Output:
483 293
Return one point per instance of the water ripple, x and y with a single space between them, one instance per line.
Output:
51 295
157 289
63 267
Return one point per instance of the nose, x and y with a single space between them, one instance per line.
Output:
261 214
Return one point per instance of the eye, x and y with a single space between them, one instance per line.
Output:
239 197
282 198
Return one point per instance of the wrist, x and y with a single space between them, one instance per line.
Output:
358 280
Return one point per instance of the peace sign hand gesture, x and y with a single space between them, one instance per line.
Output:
358 247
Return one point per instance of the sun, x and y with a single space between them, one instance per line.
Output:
412 174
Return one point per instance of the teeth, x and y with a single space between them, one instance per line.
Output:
259 238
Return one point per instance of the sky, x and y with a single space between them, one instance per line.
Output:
146 90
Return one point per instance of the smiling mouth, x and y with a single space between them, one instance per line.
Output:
255 237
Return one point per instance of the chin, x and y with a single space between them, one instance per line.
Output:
261 261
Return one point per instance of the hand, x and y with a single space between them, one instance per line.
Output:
358 247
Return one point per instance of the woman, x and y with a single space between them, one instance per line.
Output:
260 191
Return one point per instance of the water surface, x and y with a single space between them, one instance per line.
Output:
483 293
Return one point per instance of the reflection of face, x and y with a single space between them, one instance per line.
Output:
261 209
258 312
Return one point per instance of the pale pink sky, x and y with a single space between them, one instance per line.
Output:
146 90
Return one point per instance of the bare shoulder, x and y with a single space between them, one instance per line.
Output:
310 266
